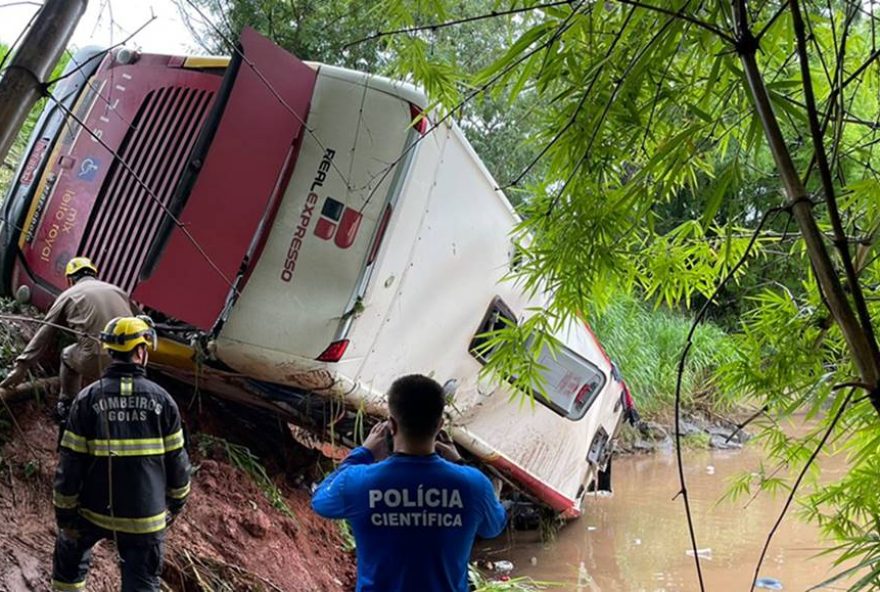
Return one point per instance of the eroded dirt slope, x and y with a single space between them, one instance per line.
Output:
231 536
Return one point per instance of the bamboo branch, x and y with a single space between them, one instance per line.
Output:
840 240
571 121
796 485
452 23
801 208
680 15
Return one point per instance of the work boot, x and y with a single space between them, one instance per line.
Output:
71 382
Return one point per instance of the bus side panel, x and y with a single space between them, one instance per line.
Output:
393 266
308 271
459 257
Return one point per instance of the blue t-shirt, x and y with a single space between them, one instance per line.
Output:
414 519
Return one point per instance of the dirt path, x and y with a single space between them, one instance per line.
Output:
229 538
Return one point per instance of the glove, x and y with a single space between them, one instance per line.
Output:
62 410
15 377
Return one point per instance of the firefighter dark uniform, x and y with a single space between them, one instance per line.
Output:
123 473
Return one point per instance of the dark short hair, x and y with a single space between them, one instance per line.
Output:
124 356
417 403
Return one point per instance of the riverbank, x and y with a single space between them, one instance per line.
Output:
700 430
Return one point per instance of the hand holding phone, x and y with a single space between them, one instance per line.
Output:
376 442
445 447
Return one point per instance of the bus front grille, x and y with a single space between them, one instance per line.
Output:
141 183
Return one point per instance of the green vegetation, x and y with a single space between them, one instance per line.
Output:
16 152
646 344
696 441
522 584
686 145
348 542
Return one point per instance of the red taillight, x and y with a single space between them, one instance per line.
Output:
380 234
334 352
419 118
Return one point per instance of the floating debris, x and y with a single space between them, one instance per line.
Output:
701 553
768 584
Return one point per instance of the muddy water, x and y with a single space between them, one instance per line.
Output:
636 540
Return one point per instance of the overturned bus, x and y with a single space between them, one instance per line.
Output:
303 235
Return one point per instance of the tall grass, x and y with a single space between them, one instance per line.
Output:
646 344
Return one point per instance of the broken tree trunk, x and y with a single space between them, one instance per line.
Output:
29 389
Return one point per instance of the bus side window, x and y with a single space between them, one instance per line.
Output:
493 320
571 382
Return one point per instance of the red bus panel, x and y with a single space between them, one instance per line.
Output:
263 118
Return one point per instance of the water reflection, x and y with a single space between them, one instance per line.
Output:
637 540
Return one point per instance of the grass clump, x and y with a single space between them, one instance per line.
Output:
520 584
696 441
646 344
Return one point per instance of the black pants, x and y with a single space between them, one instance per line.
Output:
140 559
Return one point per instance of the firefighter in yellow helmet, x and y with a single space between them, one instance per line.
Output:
85 307
123 473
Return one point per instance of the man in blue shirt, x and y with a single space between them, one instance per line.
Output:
415 515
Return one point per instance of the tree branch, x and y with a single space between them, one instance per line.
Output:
826 275
680 15
453 23
571 121
779 12
840 240
796 485
681 366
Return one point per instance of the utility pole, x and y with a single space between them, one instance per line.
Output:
22 82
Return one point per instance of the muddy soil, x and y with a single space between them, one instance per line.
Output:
230 536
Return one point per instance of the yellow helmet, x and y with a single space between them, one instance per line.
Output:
78 264
125 333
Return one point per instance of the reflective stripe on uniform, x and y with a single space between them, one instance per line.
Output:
124 446
126 386
128 525
180 492
67 586
64 502
74 442
127 447
174 441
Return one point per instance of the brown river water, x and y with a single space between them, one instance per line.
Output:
636 540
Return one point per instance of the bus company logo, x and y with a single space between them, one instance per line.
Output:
305 217
338 222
